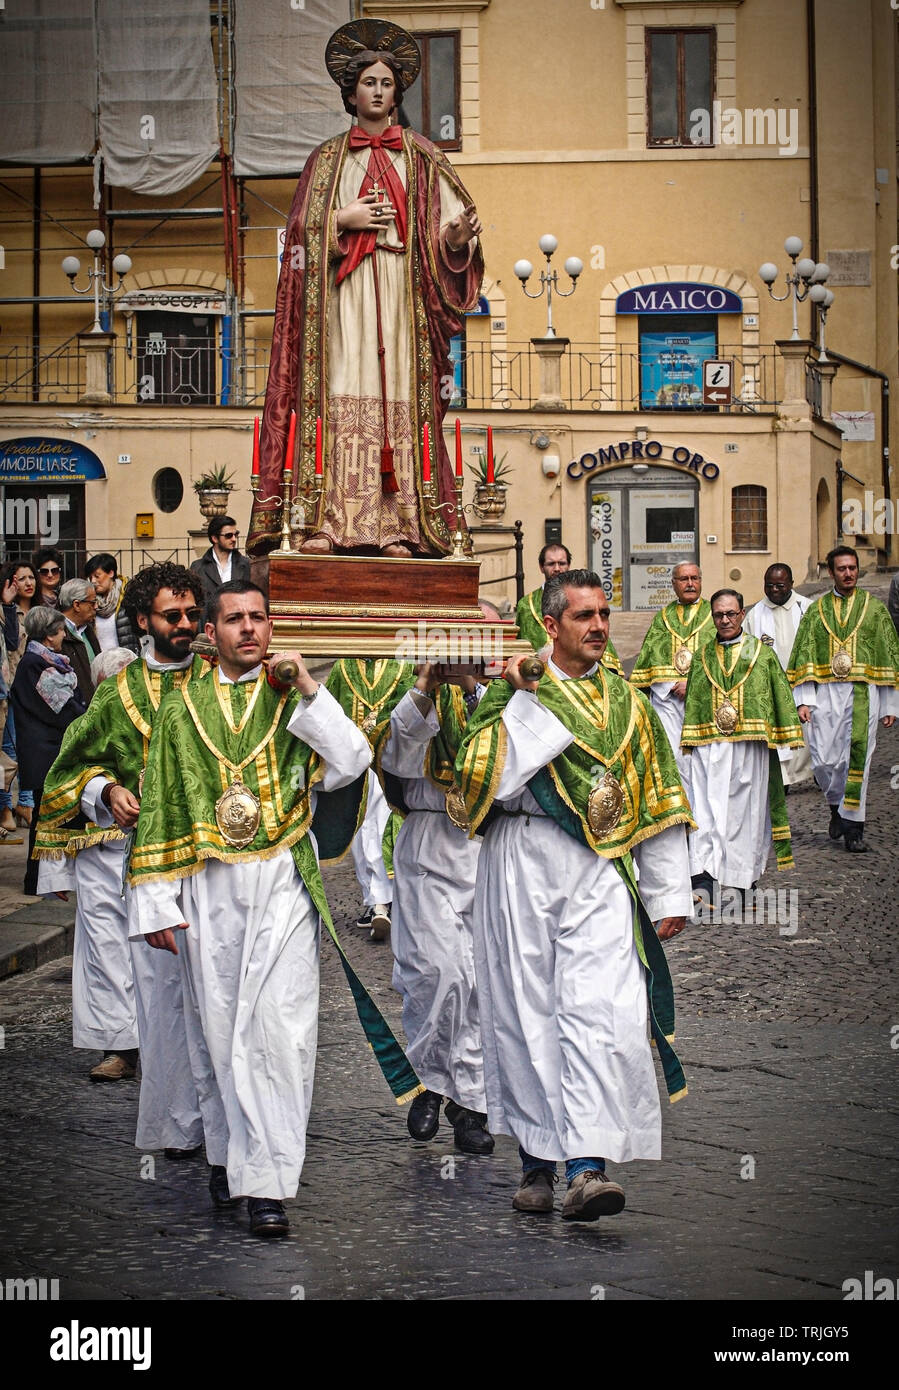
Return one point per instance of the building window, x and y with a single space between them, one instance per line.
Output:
168 490
176 358
680 86
749 517
431 105
672 350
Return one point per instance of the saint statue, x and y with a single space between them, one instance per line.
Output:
381 260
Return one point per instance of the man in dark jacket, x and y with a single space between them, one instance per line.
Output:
78 603
222 561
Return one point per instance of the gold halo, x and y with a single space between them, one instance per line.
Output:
376 36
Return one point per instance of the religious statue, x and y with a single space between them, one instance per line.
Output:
381 260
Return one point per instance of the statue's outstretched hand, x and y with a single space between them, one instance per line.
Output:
460 231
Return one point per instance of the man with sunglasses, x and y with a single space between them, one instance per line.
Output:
739 722
123 994
47 565
222 562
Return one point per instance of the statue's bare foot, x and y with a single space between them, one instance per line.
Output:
317 545
396 551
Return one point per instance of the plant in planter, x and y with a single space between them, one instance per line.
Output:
212 489
490 497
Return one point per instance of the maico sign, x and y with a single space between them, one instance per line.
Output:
679 298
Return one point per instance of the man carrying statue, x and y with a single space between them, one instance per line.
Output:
381 260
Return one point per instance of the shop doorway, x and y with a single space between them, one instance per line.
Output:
638 527
32 515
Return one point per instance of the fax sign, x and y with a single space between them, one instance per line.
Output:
717 383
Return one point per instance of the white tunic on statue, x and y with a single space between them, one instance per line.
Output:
830 732
564 1017
778 622
251 952
367 848
435 866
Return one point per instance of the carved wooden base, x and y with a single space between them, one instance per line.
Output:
410 609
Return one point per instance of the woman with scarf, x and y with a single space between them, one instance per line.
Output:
112 624
18 589
45 700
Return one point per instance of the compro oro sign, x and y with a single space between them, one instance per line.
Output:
39 459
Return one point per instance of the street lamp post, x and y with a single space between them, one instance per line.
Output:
96 280
549 279
823 298
805 272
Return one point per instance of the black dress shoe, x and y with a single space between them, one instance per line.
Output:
267 1217
423 1120
176 1155
837 825
854 830
218 1187
471 1133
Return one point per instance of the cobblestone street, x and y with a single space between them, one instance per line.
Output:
778 1181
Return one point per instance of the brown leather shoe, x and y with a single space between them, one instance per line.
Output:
112 1068
536 1191
590 1196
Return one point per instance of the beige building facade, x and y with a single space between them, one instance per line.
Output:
671 148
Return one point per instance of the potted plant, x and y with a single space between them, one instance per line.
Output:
490 497
212 489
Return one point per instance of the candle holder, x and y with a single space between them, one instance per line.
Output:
305 500
462 547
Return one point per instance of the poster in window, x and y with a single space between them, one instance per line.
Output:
671 368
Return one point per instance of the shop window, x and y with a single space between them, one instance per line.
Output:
168 490
749 517
672 350
431 106
680 84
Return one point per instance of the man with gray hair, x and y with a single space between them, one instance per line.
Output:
674 636
572 783
78 603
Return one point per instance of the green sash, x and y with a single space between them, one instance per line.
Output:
678 625
529 620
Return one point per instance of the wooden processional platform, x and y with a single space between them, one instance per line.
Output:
411 609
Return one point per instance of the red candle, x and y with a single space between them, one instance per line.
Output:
318 446
291 436
490 474
426 458
256 447
458 448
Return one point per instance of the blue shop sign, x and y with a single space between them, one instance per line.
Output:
37 459
678 297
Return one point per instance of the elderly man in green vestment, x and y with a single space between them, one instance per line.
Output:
662 664
739 721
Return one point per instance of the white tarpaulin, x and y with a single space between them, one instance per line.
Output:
49 88
158 123
286 103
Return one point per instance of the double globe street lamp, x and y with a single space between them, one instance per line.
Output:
549 278
96 280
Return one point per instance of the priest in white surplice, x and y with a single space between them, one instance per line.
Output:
573 783
223 855
435 866
775 619
844 669
739 721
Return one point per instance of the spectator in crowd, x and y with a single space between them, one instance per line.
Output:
78 603
45 699
110 663
18 588
47 564
222 561
113 625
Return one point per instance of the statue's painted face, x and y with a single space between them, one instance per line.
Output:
375 95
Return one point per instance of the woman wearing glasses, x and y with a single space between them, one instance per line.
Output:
47 564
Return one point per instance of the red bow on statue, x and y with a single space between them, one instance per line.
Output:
380 174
